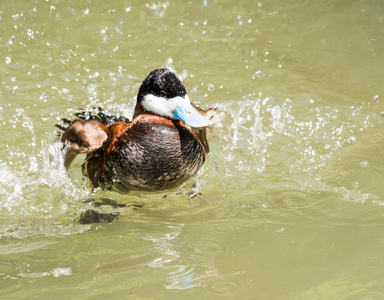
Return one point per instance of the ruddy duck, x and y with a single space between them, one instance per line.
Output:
157 150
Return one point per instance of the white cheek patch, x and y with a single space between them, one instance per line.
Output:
160 106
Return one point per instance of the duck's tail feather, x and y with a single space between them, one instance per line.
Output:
203 132
103 116
98 114
63 125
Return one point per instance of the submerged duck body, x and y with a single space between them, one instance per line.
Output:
157 150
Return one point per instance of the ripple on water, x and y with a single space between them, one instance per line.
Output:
290 199
183 277
206 247
343 289
21 247
223 288
222 226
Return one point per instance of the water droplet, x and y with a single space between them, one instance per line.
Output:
30 32
210 87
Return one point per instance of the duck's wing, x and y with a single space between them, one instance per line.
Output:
83 137
103 116
98 114
87 134
203 132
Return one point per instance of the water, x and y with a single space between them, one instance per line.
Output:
291 204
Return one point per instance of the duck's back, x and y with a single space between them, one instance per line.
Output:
152 153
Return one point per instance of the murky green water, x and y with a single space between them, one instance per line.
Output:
291 204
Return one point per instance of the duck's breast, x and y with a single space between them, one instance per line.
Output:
154 153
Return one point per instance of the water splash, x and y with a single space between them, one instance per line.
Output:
296 143
265 141
158 8
41 187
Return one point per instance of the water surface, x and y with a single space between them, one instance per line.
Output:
291 203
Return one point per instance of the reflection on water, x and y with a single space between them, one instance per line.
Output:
289 203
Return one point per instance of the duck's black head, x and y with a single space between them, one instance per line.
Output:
161 83
163 94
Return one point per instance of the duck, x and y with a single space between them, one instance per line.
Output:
163 146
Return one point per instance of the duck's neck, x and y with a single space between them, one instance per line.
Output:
139 109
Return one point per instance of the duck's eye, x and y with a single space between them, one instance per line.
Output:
163 94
